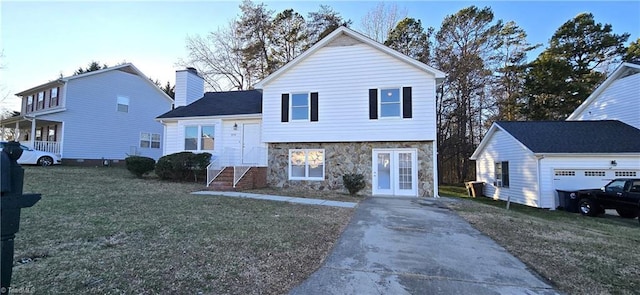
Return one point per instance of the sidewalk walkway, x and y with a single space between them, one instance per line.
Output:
279 198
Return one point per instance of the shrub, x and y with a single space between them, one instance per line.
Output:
183 166
140 166
353 182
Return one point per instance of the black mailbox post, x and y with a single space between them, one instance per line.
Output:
11 201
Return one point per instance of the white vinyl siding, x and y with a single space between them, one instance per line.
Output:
619 101
523 186
590 168
89 103
343 75
228 141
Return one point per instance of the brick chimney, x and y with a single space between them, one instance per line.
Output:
189 87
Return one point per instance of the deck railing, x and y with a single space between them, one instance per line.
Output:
47 146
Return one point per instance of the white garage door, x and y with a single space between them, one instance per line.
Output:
574 179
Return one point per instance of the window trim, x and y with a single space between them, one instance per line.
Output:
503 175
120 101
198 137
54 98
150 141
380 103
29 104
308 106
40 100
306 165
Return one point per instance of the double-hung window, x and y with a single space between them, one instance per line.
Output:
306 164
300 107
199 137
123 104
30 103
390 103
40 100
53 97
502 174
150 140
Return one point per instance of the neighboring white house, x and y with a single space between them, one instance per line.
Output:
346 105
617 98
88 118
528 161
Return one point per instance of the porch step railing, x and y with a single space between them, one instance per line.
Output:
47 146
241 163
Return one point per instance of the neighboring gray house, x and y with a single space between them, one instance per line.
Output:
346 105
88 118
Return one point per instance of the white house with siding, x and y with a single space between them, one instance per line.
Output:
527 162
101 115
346 105
617 98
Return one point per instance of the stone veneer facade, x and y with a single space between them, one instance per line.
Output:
346 157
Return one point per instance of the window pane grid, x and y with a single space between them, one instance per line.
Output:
405 171
306 164
390 102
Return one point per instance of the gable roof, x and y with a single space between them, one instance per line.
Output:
127 67
220 104
569 137
353 34
624 70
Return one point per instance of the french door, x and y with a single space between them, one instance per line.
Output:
395 172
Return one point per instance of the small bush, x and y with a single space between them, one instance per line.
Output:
353 182
183 166
140 166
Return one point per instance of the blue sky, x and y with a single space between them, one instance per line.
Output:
41 40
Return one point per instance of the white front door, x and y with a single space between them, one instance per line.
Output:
251 143
395 172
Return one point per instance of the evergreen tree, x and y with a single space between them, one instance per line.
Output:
409 37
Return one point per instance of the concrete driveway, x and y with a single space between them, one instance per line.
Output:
410 246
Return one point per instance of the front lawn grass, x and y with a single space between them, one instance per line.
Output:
103 231
579 254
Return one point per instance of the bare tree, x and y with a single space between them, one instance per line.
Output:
218 58
380 20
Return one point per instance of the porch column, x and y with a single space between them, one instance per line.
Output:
16 132
32 137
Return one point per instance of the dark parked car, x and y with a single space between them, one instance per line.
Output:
621 194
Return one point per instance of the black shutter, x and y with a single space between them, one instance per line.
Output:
406 102
314 106
373 103
285 108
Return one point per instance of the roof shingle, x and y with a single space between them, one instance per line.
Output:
220 104
607 136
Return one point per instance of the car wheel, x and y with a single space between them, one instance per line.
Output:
588 207
45 161
627 213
